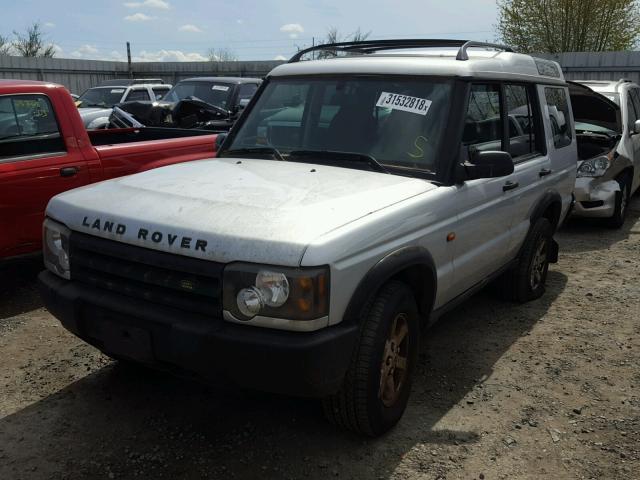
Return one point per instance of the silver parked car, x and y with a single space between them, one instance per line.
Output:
608 130
356 200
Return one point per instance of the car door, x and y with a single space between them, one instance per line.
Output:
483 231
532 165
39 158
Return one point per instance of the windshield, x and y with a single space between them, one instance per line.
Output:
101 97
397 121
210 92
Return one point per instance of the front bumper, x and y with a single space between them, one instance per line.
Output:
302 364
595 198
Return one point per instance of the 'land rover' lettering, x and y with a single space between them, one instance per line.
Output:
157 237
107 226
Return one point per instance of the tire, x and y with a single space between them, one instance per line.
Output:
362 405
622 203
526 281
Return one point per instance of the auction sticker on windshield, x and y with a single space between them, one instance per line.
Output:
405 103
222 88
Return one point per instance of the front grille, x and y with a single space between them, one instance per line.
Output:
171 280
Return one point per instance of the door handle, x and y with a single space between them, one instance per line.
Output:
544 172
510 186
68 171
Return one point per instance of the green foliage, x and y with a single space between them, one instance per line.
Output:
569 25
32 43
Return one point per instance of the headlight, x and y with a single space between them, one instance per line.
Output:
596 167
284 293
55 239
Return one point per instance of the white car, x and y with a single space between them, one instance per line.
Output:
96 104
355 201
608 132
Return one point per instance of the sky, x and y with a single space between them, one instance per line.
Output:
185 30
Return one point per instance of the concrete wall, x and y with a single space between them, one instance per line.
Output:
78 75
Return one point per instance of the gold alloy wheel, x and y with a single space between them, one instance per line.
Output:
393 372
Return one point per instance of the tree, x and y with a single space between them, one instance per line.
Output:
222 55
5 45
32 43
333 36
569 25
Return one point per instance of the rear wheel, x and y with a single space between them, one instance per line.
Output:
622 202
526 281
377 385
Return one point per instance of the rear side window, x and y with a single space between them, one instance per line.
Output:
483 124
559 115
28 127
137 96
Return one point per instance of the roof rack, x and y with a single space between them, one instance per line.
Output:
371 46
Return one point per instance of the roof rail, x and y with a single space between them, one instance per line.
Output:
371 46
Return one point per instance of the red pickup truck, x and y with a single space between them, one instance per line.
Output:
45 150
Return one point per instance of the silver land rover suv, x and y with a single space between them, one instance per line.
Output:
356 200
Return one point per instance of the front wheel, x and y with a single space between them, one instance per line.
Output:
376 387
622 201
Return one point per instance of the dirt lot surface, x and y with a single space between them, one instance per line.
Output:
550 389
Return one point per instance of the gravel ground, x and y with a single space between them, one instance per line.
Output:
550 389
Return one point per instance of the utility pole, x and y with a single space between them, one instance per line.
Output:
129 59
313 44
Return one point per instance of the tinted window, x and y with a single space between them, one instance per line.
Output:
483 124
559 116
522 122
632 109
160 92
245 92
214 93
137 95
28 127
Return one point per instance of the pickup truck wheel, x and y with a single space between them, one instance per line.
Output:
376 388
528 278
622 201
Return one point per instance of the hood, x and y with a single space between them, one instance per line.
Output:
89 114
264 211
593 108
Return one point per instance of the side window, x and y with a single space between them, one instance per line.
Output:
28 127
245 92
632 114
559 115
483 124
523 123
137 96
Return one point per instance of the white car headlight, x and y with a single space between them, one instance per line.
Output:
595 167
55 248
286 293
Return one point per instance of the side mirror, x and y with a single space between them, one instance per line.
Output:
488 164
220 140
636 127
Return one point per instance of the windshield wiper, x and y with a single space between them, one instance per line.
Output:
254 150
332 157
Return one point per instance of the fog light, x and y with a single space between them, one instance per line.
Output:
250 302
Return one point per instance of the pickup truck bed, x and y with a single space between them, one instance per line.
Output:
45 150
